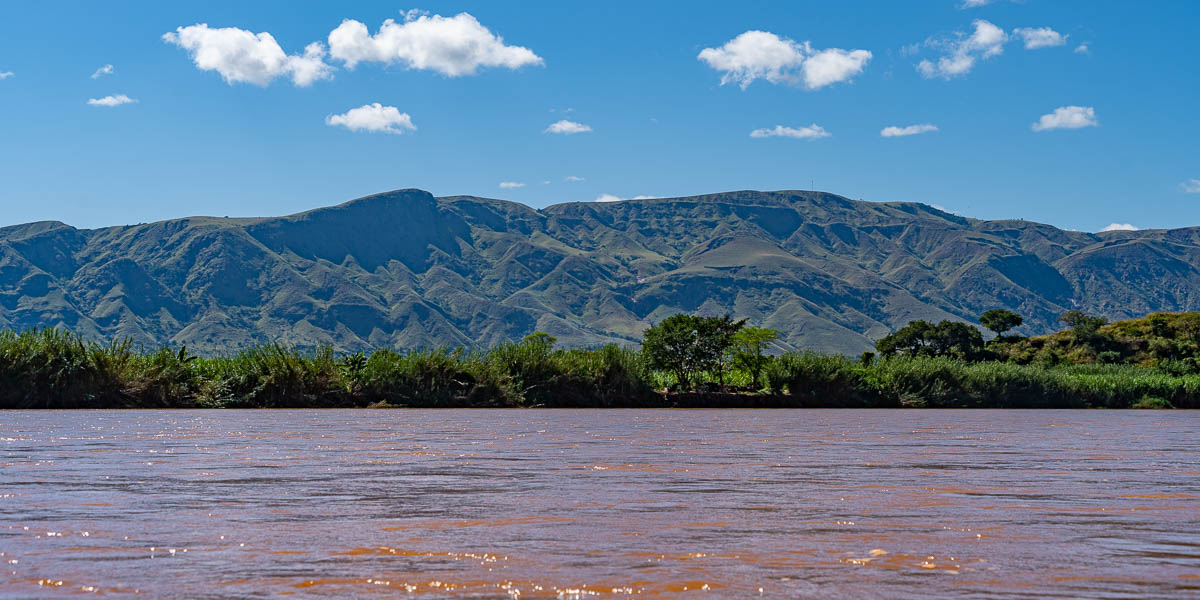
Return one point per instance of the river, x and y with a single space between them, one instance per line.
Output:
600 503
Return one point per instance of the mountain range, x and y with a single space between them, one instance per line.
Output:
404 269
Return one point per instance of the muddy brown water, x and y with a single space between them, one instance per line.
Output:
604 503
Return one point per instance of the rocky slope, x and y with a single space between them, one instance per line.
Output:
405 269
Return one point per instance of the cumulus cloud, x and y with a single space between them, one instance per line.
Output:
508 185
763 55
1040 37
452 46
5 75
572 178
1191 186
1067 117
1119 227
242 56
644 198
974 3
833 65
116 100
893 131
964 51
102 71
373 118
566 127
811 132
1083 49
607 198
754 55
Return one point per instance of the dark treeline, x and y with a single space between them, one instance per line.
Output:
685 361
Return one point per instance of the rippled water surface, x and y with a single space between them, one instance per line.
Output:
647 503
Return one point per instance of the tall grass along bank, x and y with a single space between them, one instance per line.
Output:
55 369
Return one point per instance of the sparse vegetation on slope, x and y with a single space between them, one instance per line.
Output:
404 270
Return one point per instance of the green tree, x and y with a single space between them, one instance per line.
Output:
999 320
686 345
716 338
913 339
1160 327
750 346
540 338
1085 328
672 345
1081 322
956 339
921 338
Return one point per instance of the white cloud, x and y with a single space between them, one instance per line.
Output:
961 53
508 185
572 178
974 3
242 56
310 67
893 131
1083 49
607 198
1119 227
374 118
754 55
811 132
567 127
102 71
764 55
1067 117
452 46
833 65
1191 186
1040 37
5 75
116 100
644 198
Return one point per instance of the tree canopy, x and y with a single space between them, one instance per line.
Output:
750 346
686 344
1082 322
999 320
921 338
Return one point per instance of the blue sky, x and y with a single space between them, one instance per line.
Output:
220 128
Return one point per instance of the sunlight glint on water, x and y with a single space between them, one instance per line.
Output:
582 504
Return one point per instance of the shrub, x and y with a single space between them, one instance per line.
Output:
813 379
1152 402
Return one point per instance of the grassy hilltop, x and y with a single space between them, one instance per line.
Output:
406 270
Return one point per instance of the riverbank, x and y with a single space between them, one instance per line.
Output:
55 369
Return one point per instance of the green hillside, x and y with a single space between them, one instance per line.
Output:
404 269
1167 341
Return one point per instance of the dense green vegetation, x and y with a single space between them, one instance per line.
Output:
685 361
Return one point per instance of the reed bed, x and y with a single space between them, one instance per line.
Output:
51 368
